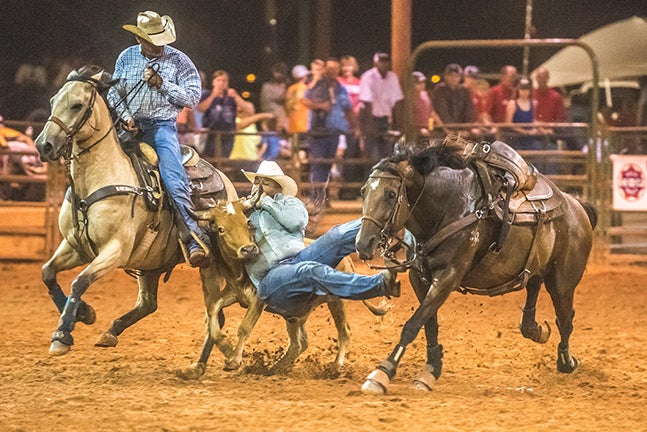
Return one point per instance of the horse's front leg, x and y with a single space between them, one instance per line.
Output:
65 258
108 259
426 380
378 381
146 304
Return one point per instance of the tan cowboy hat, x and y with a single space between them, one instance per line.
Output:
156 29
272 170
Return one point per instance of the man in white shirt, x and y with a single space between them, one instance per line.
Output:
379 92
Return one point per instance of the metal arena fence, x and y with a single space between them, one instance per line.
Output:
29 227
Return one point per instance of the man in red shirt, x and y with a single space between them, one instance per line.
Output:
498 96
550 104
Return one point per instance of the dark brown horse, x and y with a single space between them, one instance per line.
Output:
455 211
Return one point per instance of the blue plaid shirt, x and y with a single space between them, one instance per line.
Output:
181 85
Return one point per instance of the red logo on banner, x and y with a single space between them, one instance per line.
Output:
632 182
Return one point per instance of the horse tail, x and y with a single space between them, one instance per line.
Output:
591 212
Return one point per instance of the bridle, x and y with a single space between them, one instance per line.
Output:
390 242
71 131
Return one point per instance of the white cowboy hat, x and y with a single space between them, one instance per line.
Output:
272 170
156 29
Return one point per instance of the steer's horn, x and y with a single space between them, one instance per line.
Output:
200 215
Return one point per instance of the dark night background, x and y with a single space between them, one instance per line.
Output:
231 34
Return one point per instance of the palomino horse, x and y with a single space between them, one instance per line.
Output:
456 221
229 223
105 222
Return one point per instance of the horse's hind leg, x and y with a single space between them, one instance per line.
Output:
146 304
338 312
65 258
530 329
561 293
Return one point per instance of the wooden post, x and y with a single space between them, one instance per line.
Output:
54 196
323 26
400 52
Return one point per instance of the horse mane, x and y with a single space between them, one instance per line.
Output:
93 74
428 154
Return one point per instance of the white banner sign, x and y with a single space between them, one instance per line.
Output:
629 182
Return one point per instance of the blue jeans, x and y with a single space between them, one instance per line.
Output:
162 135
321 147
293 285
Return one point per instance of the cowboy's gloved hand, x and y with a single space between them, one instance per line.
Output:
152 78
130 126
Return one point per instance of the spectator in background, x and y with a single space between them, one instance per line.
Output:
29 92
550 103
496 99
187 131
349 171
247 141
550 109
379 92
330 107
522 109
197 115
219 109
470 82
272 143
348 78
421 105
296 110
452 102
272 97
8 134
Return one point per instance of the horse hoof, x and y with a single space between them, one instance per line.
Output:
425 381
567 366
58 348
193 372
376 383
231 365
544 335
107 340
86 314
373 387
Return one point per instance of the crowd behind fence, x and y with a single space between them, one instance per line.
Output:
563 159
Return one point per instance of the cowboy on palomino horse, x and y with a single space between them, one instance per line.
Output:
155 81
113 217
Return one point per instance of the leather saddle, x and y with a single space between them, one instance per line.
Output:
206 182
525 206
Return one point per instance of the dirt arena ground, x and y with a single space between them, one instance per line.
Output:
493 379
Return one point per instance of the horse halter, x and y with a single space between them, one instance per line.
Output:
70 132
386 236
